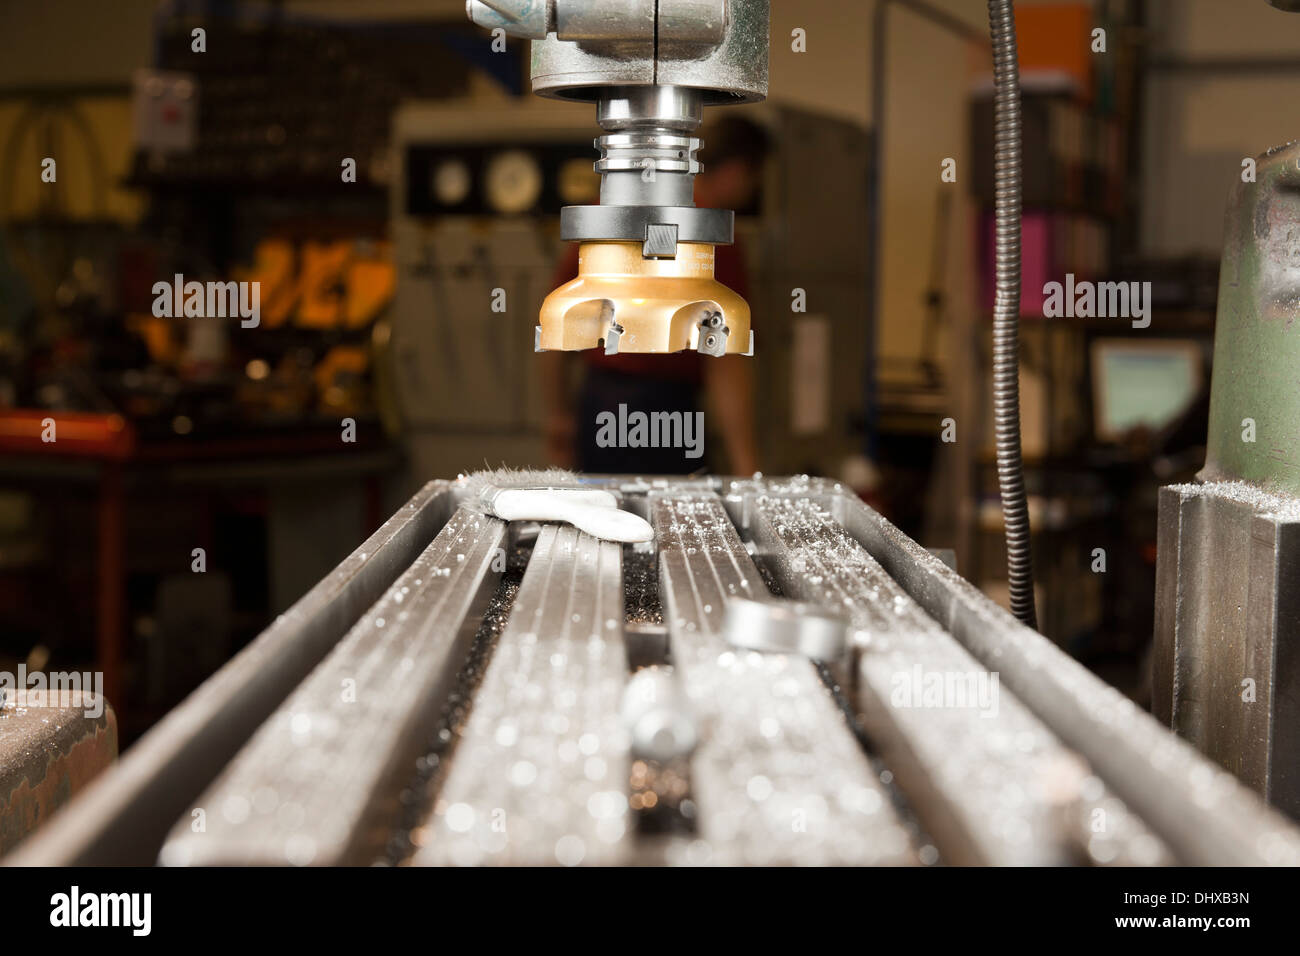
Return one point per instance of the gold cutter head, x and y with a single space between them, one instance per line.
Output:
629 303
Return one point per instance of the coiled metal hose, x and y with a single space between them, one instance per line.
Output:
1006 308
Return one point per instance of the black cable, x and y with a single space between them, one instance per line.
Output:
1006 308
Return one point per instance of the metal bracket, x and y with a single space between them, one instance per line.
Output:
660 241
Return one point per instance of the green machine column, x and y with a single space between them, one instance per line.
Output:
1257 333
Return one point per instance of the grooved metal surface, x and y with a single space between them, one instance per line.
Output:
778 776
125 815
305 788
1204 814
978 767
540 773
403 746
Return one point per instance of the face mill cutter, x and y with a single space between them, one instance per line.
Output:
646 256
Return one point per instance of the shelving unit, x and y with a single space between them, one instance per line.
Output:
1080 213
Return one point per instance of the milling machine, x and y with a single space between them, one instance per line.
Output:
465 690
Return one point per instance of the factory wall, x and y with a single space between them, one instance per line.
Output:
1213 61
926 103
1194 113
37 49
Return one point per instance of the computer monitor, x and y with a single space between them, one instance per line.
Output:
1142 383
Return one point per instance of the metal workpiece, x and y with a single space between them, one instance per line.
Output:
779 777
1226 667
986 778
123 818
308 786
816 631
1254 429
540 772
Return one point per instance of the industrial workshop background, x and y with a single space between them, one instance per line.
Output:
205 475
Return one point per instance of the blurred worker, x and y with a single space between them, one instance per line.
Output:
732 156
